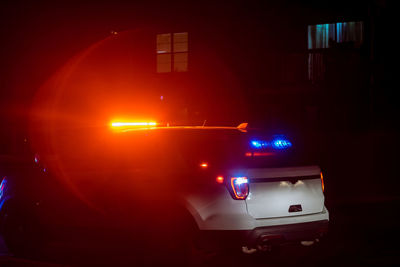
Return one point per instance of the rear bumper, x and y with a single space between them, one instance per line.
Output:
287 233
241 220
276 235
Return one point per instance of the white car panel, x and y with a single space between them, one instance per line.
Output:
273 199
322 216
235 216
269 198
217 211
267 204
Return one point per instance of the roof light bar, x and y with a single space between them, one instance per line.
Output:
279 142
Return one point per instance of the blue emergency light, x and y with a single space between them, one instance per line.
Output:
278 142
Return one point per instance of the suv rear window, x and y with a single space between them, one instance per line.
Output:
224 148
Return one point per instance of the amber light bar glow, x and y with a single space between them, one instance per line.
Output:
124 124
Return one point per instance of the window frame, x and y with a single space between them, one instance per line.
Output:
172 53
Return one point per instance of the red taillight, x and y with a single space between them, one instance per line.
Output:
262 154
240 187
322 182
220 179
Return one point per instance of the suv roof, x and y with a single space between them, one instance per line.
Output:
128 128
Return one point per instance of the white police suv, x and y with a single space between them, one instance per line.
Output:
251 188
173 185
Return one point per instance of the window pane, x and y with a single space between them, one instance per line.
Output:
164 63
181 42
324 35
320 35
180 62
163 43
350 32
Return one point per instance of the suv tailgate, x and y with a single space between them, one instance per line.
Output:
282 192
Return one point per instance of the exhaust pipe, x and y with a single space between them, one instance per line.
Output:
266 242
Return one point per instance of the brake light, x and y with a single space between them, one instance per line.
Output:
204 165
220 179
240 187
322 182
262 154
281 143
258 154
